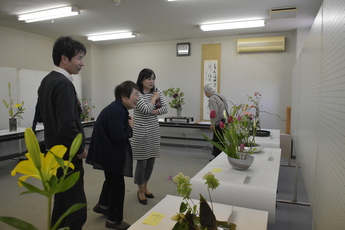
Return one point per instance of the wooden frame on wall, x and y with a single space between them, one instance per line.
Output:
210 74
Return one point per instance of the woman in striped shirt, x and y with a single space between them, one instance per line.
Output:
146 132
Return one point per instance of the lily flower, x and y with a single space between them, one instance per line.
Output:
38 165
48 163
44 168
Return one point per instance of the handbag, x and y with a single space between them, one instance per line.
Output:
158 103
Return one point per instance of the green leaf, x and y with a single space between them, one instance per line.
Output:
17 223
59 160
68 182
72 209
53 182
219 146
181 226
183 207
32 189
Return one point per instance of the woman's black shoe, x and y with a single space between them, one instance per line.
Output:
150 195
144 201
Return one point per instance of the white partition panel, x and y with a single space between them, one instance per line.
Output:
318 115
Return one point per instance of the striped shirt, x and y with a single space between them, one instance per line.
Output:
146 132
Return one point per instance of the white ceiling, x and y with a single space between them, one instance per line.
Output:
156 20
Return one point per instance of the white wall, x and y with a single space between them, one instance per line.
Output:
241 74
318 109
105 67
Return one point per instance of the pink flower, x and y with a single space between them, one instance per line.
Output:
221 125
213 114
230 119
241 147
239 118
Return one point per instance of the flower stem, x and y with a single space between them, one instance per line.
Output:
49 212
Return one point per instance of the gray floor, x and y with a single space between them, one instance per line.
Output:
174 159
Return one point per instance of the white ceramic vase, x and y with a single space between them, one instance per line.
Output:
241 164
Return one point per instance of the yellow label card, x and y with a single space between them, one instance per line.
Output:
154 218
217 170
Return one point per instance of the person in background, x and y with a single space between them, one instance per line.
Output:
110 151
60 110
216 102
146 132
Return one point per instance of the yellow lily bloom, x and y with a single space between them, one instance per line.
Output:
38 165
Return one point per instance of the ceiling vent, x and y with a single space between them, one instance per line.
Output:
263 44
287 12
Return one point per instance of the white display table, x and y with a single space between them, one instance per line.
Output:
254 188
273 141
244 218
6 136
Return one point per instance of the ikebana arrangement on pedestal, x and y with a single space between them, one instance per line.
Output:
177 99
86 109
188 216
14 110
256 106
237 135
44 168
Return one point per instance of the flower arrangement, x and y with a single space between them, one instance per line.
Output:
256 106
188 217
85 111
177 95
235 133
44 168
14 110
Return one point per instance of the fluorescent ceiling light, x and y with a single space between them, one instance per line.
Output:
232 25
111 36
60 12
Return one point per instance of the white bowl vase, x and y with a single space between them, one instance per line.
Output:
241 164
256 149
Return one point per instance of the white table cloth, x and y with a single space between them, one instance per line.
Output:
273 141
244 218
254 188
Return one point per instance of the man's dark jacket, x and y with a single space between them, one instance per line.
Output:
60 112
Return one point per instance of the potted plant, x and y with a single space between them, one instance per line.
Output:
189 217
44 168
177 99
85 110
14 110
234 135
255 100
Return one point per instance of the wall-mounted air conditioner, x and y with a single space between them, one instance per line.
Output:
264 44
